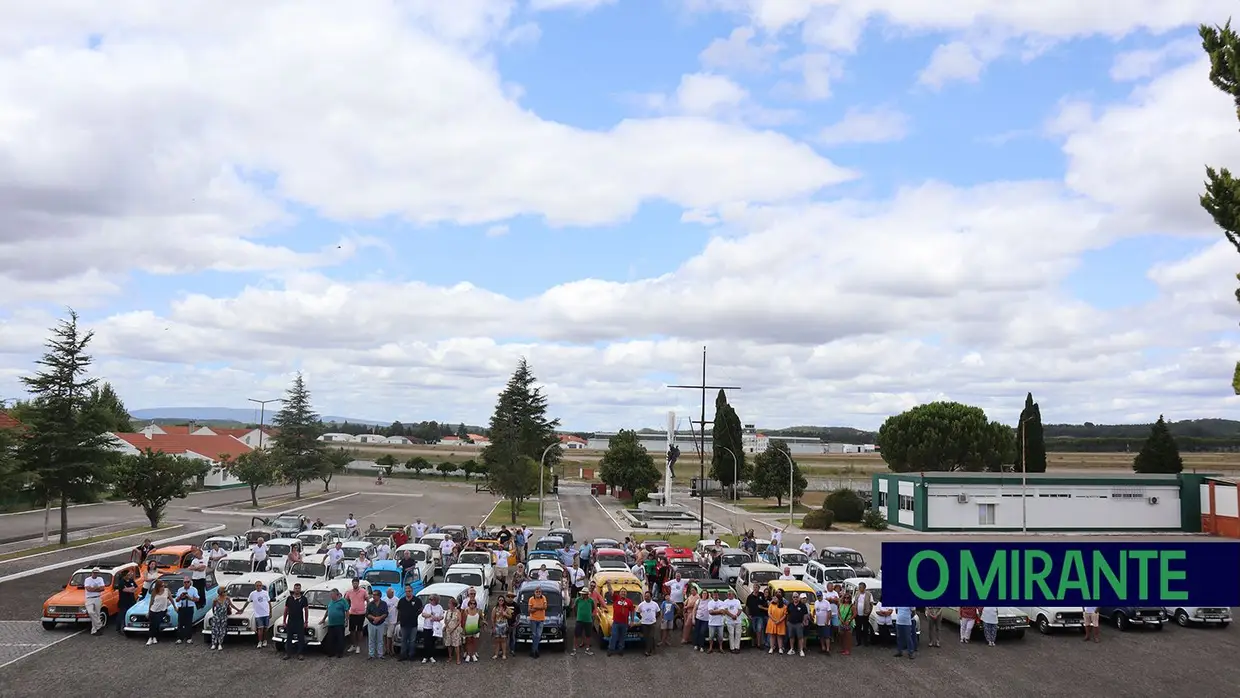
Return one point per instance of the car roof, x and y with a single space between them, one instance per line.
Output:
838 549
342 584
475 552
869 582
222 536
615 576
791 585
182 549
452 589
466 567
413 546
110 567
610 552
711 541
313 532
551 537
315 558
760 567
388 565
440 534
546 586
284 541
790 551
265 577
238 555
357 544
735 552
712 584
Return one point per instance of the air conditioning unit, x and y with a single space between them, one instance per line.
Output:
962 498
1152 500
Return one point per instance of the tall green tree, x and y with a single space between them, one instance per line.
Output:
727 461
627 465
520 431
13 479
298 449
151 479
1030 442
1222 195
112 410
770 473
944 437
335 460
255 468
1159 454
65 448
461 433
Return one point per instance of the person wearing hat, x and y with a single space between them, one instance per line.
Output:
808 548
583 622
186 600
94 586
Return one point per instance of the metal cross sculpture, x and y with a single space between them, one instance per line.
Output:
673 452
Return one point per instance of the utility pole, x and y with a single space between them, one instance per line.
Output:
702 441
262 416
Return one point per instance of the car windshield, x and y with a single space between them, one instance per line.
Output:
472 579
386 577
173 581
850 558
634 596
308 569
735 559
614 563
837 574
352 553
234 566
79 579
475 558
278 549
419 555
548 545
165 559
794 558
225 544
692 572
287 522
239 590
763 577
253 536
555 602
318 598
312 537
375 539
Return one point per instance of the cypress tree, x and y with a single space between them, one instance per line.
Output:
1030 442
1159 453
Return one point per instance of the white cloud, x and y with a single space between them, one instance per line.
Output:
585 5
952 62
739 51
1142 64
879 125
496 231
713 96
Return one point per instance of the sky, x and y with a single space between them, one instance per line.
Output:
858 206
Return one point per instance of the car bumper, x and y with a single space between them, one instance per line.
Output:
1220 620
232 632
1147 621
83 618
1066 624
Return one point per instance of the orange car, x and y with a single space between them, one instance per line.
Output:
171 558
69 604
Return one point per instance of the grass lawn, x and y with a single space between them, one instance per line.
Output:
685 540
527 514
772 508
80 542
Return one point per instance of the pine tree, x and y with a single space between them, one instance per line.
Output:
1030 442
64 448
103 397
300 453
520 433
727 461
1159 453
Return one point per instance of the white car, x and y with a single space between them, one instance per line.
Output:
471 576
422 555
754 576
241 622
1012 621
481 558
353 549
278 551
227 543
1186 616
317 541
730 564
233 566
824 574
317 597
1048 619
702 551
339 530
445 591
315 569
794 560
434 540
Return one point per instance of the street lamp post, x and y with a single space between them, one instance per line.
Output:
541 469
262 416
735 471
790 489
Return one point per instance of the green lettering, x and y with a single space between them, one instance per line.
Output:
1103 569
914 584
971 578
1143 557
1073 576
1034 576
1167 575
1013 578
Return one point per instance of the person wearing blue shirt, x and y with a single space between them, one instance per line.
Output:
520 545
186 601
584 556
904 632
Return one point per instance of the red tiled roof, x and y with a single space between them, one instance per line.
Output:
9 422
210 446
478 437
569 438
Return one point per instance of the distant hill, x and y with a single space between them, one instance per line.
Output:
226 414
1199 428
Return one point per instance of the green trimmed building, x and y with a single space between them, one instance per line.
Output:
975 502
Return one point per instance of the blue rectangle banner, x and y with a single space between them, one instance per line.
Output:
1164 573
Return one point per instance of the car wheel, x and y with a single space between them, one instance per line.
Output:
103 619
49 625
1044 625
1181 618
1121 622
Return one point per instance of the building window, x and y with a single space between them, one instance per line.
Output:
1128 494
882 499
1057 495
906 502
985 515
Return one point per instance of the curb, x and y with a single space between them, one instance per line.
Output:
164 529
90 558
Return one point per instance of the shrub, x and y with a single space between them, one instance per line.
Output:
818 519
847 505
641 495
873 519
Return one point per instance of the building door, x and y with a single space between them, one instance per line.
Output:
985 514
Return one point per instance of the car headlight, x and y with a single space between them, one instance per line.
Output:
310 632
245 623
1058 616
1198 613
280 629
133 619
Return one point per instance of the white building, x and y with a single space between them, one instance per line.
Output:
397 440
339 438
212 448
752 441
571 442
371 439
254 438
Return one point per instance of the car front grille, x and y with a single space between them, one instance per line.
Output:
237 623
64 610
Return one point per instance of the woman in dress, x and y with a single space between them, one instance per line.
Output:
220 609
499 628
990 623
777 624
453 633
473 622
157 612
847 616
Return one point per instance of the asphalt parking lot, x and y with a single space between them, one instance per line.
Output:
38 662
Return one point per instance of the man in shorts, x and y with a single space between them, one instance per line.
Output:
583 623
357 599
1092 626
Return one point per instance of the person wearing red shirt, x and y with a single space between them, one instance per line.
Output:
621 610
400 538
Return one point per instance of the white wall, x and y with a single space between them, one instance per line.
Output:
882 487
1084 509
904 516
1225 503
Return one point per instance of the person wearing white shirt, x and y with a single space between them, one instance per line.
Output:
361 564
384 552
261 601
198 572
432 626
787 575
391 600
884 621
217 553
419 530
502 571
94 586
541 574
336 554
676 591
258 555
716 608
350 525
579 579
445 551
732 621
776 538
808 548
822 619
648 613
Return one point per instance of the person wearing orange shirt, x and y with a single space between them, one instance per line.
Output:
538 615
776 624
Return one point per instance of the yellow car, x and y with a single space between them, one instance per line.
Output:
497 549
796 586
626 583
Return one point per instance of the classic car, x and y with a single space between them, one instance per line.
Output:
241 621
1048 619
706 586
386 574
287 525
823 574
730 564
69 604
1186 616
833 555
233 565
137 620
353 549
315 569
422 555
601 543
612 563
472 576
227 543
171 558
552 543
278 551
755 575
545 555
445 591
481 558
261 531
555 628
1128 617
875 589
564 534
794 560
674 555
799 587
339 530
317 597
1012 621
705 547
379 539
625 583
434 540
653 544
318 541
460 534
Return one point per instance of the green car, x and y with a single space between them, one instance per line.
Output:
709 586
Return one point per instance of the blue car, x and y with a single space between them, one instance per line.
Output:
386 574
555 628
136 618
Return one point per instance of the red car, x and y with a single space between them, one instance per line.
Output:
674 555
